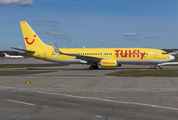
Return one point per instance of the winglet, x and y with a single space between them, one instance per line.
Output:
56 50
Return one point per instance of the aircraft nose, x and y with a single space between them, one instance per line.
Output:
172 57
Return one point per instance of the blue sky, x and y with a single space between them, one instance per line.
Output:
91 23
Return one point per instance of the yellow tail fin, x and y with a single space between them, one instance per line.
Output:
32 41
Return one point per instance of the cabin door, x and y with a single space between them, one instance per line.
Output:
154 54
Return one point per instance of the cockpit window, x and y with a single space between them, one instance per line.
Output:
164 53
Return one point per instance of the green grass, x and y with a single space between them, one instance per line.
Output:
5 73
145 73
29 65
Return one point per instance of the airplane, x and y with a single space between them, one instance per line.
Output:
105 57
12 57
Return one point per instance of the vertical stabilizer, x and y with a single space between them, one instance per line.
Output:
6 55
31 39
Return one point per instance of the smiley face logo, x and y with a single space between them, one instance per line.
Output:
26 38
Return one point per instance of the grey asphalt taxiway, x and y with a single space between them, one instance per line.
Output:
74 92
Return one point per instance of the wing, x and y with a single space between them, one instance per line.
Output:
82 57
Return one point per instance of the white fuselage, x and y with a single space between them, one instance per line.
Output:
12 57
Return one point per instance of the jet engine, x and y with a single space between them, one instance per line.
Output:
109 63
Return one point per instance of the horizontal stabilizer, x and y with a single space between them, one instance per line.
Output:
23 50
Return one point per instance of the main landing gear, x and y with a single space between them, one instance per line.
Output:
93 67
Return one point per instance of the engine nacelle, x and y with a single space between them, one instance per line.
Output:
109 63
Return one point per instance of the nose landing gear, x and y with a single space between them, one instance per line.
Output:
156 67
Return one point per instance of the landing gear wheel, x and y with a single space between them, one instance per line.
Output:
96 66
156 67
91 67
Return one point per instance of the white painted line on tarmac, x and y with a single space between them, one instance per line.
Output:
98 116
107 100
20 102
5 87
